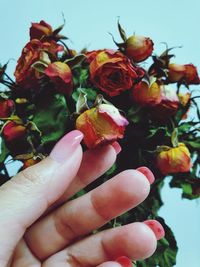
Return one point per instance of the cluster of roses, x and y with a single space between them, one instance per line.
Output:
46 60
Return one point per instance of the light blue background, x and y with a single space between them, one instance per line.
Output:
87 24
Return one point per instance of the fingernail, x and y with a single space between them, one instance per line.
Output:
116 147
66 146
156 227
124 261
148 173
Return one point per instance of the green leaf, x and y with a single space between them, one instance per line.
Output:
80 77
4 151
111 170
90 92
75 61
174 137
193 144
135 114
51 117
81 104
122 32
39 66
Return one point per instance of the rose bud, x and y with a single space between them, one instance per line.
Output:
145 94
13 131
191 74
29 162
174 159
183 73
138 48
102 124
113 73
176 72
61 75
40 30
6 107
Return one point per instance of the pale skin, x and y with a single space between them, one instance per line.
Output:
40 227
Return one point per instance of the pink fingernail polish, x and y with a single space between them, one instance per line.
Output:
66 146
124 261
116 147
148 173
156 227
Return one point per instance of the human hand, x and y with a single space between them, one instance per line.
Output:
38 228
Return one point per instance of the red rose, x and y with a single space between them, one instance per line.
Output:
13 131
40 30
25 74
113 73
6 107
60 74
138 48
183 73
101 124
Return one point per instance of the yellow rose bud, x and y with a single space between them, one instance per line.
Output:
174 159
138 48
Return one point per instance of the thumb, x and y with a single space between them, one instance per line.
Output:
26 196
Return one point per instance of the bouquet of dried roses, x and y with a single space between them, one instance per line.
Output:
108 95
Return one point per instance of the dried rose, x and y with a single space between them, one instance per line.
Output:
183 73
162 97
174 159
6 107
101 124
60 74
90 55
169 100
113 73
34 51
145 94
40 30
13 131
138 48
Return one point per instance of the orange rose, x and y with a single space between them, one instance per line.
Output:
101 124
183 73
147 95
25 75
174 159
138 48
60 74
113 73
13 131
6 107
40 30
162 98
169 100
92 54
